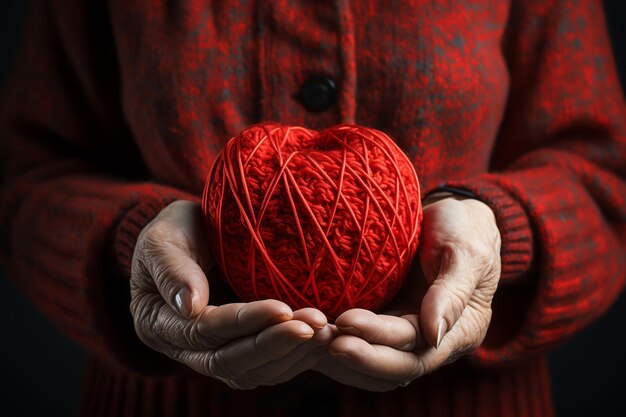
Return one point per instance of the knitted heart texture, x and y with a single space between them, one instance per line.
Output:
326 219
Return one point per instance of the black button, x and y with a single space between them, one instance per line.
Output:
318 93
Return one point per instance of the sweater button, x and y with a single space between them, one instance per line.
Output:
318 93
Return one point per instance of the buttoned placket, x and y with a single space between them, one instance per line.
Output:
307 68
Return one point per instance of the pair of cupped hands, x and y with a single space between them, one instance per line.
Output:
441 313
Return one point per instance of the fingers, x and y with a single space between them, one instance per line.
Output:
397 332
459 257
396 366
236 343
336 369
235 361
241 355
201 362
378 361
275 355
313 317
235 320
303 357
163 329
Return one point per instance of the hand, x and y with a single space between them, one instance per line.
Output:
459 256
242 344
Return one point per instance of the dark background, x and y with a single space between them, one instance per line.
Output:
588 372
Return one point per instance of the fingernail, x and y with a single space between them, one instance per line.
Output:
183 302
278 319
338 355
353 331
441 330
306 336
317 327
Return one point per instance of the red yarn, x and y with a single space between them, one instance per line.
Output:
324 219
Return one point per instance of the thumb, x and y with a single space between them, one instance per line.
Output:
179 279
447 296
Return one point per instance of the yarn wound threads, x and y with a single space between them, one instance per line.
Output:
326 219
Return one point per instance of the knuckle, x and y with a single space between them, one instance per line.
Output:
207 365
239 314
194 338
420 368
145 317
190 335
145 310
452 247
486 260
159 273
487 256
481 253
213 365
162 321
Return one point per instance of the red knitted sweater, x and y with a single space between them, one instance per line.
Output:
114 109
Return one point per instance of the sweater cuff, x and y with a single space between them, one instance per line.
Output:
516 251
131 226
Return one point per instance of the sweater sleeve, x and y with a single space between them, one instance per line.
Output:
75 193
558 184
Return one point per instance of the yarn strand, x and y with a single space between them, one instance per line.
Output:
324 219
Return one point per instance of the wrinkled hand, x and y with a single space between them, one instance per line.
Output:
242 344
459 256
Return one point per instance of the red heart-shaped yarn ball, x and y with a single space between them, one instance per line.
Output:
325 219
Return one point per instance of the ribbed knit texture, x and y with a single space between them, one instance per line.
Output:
512 392
115 109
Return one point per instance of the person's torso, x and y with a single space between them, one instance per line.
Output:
429 73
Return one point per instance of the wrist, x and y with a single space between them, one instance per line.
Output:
512 220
